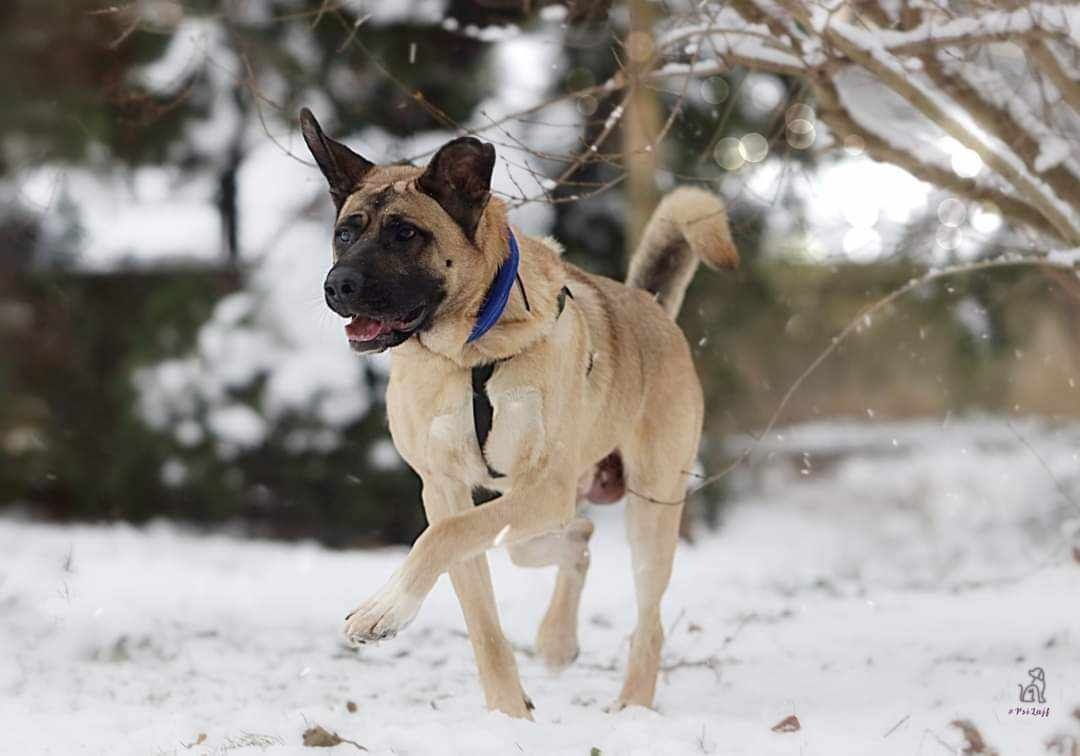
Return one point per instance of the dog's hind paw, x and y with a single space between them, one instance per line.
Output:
381 617
620 704
557 650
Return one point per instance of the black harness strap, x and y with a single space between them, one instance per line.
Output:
482 410
481 495
561 301
524 296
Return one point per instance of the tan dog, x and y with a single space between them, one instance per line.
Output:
582 389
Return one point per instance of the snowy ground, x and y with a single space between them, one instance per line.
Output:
877 581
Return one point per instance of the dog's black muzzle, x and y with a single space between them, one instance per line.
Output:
342 289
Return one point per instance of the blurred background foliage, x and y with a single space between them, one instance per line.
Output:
74 336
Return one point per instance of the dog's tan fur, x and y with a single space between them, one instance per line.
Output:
612 371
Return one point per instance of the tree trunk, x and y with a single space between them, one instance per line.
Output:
640 126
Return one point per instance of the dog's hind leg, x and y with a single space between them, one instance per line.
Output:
556 641
471 579
656 482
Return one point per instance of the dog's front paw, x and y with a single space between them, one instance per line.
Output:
382 616
616 706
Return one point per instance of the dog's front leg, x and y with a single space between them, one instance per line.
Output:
534 507
472 583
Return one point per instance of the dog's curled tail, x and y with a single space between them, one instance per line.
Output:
689 225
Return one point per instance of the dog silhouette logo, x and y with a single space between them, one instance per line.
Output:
1035 690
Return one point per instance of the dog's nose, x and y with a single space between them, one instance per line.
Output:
341 287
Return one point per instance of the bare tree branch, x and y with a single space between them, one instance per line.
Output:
1055 260
1006 117
1033 21
832 112
870 55
1049 64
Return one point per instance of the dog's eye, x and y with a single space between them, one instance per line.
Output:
404 232
345 235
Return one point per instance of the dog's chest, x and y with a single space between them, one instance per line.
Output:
478 427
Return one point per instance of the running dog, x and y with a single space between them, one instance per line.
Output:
520 388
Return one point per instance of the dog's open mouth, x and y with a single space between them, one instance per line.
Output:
364 331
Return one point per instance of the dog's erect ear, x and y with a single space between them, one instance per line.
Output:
459 179
343 168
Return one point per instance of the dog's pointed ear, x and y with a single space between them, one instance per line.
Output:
343 168
459 179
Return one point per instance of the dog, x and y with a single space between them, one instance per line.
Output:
521 387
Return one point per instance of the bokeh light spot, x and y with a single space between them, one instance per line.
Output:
861 211
951 212
799 111
753 147
854 145
766 93
714 90
728 154
800 133
986 218
949 238
862 244
966 163
587 105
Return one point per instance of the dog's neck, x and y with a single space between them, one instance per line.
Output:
529 315
498 295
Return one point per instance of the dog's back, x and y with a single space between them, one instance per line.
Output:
632 324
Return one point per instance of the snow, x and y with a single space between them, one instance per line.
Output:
877 580
127 216
1052 151
940 108
1064 257
236 425
1053 18
410 11
831 195
995 89
553 12
973 317
278 328
195 40
153 215
726 34
857 229
880 110
383 456
761 94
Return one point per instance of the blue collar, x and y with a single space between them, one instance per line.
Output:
499 293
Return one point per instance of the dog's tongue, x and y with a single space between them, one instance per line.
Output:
365 329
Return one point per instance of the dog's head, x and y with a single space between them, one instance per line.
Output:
409 248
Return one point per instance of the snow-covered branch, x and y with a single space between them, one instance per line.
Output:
1066 79
881 147
1033 21
733 42
868 52
956 71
